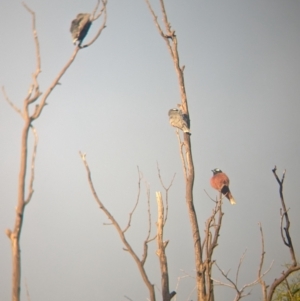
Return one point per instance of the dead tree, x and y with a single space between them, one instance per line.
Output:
34 95
203 251
268 292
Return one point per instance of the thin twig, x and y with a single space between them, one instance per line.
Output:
27 291
35 86
240 293
166 190
11 103
147 239
103 10
210 197
95 10
136 203
262 257
239 266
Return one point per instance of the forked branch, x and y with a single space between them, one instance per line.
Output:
95 16
243 291
166 191
139 263
286 238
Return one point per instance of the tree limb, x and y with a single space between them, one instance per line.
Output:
121 233
136 203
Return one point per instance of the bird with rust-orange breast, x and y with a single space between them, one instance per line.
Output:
220 182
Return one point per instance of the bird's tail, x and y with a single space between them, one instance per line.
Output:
231 198
186 129
225 190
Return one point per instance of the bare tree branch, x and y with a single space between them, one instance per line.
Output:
121 233
240 292
147 239
97 16
164 36
287 240
166 191
41 105
103 10
11 103
262 257
35 86
136 203
27 291
185 275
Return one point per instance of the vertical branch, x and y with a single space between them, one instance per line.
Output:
172 45
212 233
284 215
161 248
287 240
262 257
31 97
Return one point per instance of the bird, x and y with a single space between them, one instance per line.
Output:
80 27
220 182
179 120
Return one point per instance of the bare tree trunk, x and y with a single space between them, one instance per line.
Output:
171 42
32 96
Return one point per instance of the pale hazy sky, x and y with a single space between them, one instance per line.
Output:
242 78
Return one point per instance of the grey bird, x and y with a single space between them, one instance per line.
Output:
80 27
179 120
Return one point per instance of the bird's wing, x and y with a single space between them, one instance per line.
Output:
83 21
175 120
74 26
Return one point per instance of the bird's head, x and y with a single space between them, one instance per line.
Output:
173 111
216 170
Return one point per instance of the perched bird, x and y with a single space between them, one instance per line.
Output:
80 27
220 182
179 120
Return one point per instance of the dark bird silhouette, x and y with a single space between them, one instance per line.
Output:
80 27
179 120
220 182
